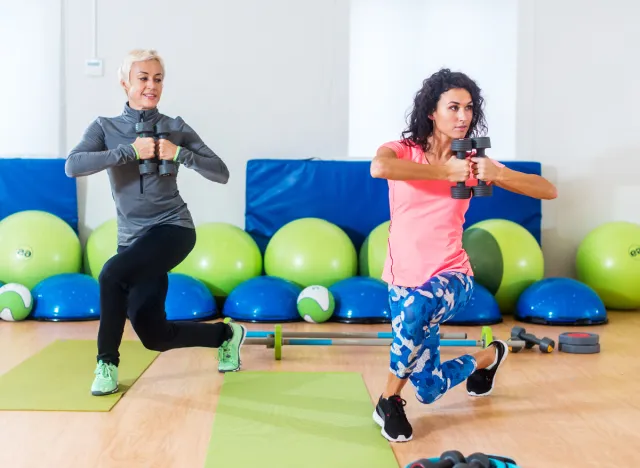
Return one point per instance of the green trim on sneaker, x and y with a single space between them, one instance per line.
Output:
229 351
106 381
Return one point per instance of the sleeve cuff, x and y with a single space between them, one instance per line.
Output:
175 158
135 151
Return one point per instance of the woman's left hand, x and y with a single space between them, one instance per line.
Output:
484 169
166 149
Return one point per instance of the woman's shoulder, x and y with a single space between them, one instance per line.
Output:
403 149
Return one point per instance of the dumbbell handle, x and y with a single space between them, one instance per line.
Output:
460 155
480 154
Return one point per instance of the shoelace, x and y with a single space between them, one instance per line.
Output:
397 405
103 371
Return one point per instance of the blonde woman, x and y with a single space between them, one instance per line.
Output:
155 228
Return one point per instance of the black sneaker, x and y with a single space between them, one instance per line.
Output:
390 416
481 382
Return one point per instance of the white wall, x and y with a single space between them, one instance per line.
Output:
30 98
578 113
396 45
254 78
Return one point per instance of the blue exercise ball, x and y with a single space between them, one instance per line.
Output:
361 299
560 301
482 309
263 299
188 298
66 297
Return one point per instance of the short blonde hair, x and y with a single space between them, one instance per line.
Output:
138 55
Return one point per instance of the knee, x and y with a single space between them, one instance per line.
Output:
430 390
429 395
111 273
152 337
152 341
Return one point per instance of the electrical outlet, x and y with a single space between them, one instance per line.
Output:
93 67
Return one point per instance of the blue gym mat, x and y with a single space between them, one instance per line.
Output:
38 184
344 193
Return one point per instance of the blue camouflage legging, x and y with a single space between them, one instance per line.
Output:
416 314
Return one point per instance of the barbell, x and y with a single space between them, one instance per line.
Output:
277 338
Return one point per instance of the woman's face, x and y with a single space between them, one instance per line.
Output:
454 113
145 86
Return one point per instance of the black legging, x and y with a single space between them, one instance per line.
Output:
135 282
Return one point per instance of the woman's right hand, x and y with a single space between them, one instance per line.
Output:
458 170
146 147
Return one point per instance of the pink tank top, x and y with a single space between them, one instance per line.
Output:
425 233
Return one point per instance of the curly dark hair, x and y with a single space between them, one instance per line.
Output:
420 126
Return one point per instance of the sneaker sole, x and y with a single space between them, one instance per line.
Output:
244 337
115 390
378 420
504 358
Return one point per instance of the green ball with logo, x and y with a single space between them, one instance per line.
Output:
316 304
16 302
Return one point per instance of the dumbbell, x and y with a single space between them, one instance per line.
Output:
454 459
545 344
167 168
475 460
146 130
482 189
461 191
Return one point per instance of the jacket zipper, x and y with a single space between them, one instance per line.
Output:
141 176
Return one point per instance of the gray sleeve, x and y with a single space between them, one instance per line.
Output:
91 154
195 155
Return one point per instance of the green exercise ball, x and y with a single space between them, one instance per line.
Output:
608 260
373 252
35 245
224 256
102 244
505 258
311 251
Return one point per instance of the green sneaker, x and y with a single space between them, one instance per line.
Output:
106 381
229 352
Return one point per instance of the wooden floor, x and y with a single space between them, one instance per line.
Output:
557 410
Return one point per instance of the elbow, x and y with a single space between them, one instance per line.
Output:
378 169
69 168
224 176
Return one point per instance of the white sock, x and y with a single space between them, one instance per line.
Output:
495 361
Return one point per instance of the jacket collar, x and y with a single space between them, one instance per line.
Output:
134 116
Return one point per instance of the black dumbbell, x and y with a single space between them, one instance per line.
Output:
478 460
167 168
545 344
454 459
447 460
461 191
482 189
146 130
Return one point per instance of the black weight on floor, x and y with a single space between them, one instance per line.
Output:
579 338
580 349
545 344
478 460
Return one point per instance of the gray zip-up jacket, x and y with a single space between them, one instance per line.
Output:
142 201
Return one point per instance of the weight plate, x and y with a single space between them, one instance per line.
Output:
580 349
486 336
579 338
277 342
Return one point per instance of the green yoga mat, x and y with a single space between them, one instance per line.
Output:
306 419
58 378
